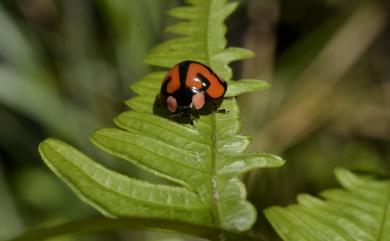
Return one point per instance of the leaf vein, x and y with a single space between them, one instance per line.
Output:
157 154
90 177
198 140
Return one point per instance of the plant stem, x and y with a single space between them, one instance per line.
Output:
99 224
213 181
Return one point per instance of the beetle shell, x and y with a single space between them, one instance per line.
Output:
191 88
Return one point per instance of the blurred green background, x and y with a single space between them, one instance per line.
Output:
65 67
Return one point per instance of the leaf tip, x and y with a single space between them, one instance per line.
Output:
241 218
239 87
276 161
44 145
341 171
271 212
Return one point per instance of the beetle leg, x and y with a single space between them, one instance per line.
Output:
223 111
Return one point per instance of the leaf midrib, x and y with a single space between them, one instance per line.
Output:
213 153
207 28
213 171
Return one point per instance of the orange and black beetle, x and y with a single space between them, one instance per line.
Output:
189 89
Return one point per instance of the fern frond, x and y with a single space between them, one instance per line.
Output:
360 211
205 160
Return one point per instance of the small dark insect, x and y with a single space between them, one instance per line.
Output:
188 90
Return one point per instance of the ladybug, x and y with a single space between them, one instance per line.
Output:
189 89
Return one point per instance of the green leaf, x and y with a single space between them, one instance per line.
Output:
204 160
360 211
236 88
114 194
